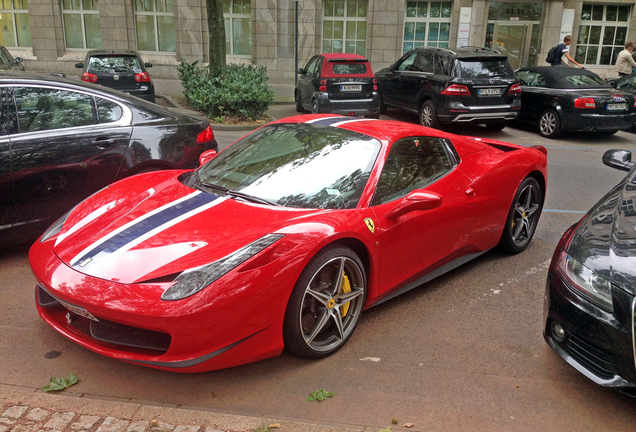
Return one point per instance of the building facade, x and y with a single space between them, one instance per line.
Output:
53 35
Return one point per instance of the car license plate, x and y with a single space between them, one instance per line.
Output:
350 88
616 106
489 92
78 310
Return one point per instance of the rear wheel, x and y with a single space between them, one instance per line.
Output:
299 105
549 124
428 115
523 217
496 125
326 303
315 108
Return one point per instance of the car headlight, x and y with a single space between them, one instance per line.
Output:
585 282
194 280
55 229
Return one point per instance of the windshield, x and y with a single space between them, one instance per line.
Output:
297 165
5 57
114 64
482 68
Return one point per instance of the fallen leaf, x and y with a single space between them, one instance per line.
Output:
408 425
275 426
154 423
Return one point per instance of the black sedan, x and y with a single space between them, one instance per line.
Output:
61 140
7 62
122 70
563 99
590 301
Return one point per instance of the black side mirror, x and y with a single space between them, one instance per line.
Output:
148 65
79 65
19 59
619 159
301 71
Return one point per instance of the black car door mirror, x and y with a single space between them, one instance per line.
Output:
19 59
148 65
415 201
619 159
79 65
301 71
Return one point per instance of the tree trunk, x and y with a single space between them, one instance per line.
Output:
216 30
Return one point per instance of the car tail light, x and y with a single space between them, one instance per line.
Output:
375 84
323 85
89 77
587 103
206 136
515 89
456 90
142 77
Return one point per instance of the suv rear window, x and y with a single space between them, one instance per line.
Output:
114 64
482 68
349 68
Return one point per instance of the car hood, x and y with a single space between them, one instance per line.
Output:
605 241
152 225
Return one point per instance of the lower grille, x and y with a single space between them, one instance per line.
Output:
601 363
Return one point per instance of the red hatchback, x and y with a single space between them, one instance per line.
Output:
338 83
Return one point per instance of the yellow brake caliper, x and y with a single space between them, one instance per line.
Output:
345 288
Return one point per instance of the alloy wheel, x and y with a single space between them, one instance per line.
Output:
525 215
548 123
427 116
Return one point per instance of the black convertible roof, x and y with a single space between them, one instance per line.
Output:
554 75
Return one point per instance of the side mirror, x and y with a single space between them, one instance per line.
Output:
148 65
301 71
19 59
206 157
392 67
415 201
79 65
619 159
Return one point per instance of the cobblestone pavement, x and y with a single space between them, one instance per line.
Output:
31 410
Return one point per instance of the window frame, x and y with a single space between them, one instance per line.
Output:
155 17
346 22
427 20
13 12
81 12
229 30
603 23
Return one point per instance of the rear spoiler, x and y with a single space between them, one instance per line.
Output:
347 60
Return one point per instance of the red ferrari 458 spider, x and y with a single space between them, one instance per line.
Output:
279 241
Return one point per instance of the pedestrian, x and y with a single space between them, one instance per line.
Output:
562 50
624 61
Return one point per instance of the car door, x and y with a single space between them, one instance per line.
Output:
417 81
7 121
534 95
391 80
420 172
307 81
66 146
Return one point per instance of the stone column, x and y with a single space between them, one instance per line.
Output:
116 19
190 23
47 35
385 26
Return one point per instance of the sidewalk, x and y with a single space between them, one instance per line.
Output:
29 410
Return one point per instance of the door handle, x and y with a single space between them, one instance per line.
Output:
103 142
470 191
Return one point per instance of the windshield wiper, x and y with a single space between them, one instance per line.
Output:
247 197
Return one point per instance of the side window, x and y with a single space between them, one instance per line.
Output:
412 163
41 109
538 81
312 65
407 63
629 83
107 111
4 111
527 78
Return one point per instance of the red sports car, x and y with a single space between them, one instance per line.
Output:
280 241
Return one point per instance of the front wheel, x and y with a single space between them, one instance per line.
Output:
299 105
523 217
326 303
550 124
428 115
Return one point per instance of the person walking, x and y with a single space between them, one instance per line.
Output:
624 62
562 50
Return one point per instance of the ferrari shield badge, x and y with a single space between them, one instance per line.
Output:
370 224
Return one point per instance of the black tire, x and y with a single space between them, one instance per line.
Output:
299 105
550 124
373 116
523 217
315 108
496 125
428 115
609 132
321 314
383 106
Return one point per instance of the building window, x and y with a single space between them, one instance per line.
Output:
344 26
427 24
602 33
154 21
15 30
238 27
81 24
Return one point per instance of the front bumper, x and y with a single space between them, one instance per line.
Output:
579 121
355 107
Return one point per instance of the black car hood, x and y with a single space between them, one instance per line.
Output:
605 241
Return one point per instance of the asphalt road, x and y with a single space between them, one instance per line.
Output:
463 352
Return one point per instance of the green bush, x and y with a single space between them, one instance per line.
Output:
238 91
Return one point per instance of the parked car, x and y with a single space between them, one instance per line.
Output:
338 83
564 99
282 240
590 300
445 86
122 70
7 62
61 140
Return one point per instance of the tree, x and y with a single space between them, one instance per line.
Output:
216 31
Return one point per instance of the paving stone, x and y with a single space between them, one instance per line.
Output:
15 411
111 424
181 428
59 420
26 428
162 427
138 426
4 428
6 421
85 422
211 429
37 414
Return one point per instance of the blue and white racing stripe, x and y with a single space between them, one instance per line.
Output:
336 121
146 226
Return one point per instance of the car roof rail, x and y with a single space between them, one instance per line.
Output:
478 49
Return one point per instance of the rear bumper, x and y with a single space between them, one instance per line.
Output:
582 122
460 113
357 107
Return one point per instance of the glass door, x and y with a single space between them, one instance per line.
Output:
518 40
